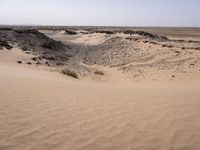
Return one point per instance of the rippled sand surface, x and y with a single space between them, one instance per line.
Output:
43 113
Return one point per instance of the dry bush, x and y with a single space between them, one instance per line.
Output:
29 63
19 62
70 73
98 72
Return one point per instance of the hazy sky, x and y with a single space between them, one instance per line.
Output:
101 12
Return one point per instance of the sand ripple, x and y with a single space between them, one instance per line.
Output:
40 114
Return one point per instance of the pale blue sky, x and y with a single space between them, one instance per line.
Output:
101 12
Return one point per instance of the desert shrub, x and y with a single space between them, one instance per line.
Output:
98 72
197 48
29 63
70 73
19 62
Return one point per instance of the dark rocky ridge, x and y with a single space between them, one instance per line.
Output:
71 32
32 41
146 34
131 32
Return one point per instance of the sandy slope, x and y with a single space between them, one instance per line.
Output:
44 110
133 57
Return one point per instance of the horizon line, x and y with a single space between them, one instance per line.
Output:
129 26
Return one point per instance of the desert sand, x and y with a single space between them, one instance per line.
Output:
132 91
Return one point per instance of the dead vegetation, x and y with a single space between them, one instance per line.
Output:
19 62
70 73
98 72
29 63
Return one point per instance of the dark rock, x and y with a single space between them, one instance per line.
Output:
34 58
5 44
47 63
60 64
70 32
103 31
38 63
145 34
28 52
168 46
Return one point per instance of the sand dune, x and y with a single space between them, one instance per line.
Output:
126 97
41 110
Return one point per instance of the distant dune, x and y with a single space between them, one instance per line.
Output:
99 88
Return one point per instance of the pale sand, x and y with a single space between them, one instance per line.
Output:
44 110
